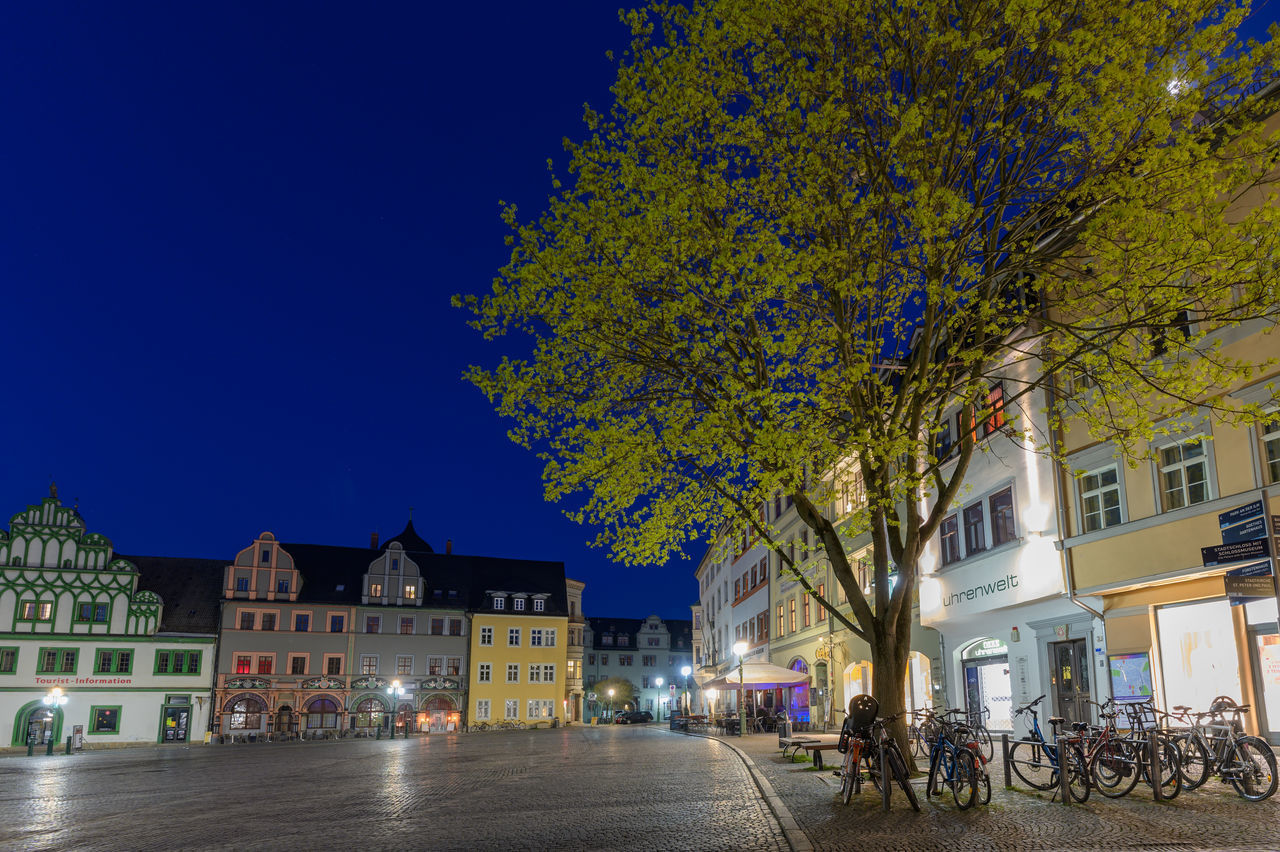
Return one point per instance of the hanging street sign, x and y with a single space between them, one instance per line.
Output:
1239 551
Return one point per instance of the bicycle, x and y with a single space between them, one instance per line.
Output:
1143 720
980 732
951 764
1219 747
1035 761
1113 761
862 739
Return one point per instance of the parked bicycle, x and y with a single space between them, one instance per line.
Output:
1035 761
862 737
1211 743
951 764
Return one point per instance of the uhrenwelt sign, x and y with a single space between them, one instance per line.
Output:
1027 574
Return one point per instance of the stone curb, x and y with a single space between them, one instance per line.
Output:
796 838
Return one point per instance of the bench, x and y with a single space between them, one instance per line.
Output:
815 751
795 744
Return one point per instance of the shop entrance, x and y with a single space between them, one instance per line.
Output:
987 687
1264 648
1069 664
175 723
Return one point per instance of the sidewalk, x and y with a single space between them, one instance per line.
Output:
1213 817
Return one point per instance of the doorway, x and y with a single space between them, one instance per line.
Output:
988 689
1069 667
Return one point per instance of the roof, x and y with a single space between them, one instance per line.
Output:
410 540
190 589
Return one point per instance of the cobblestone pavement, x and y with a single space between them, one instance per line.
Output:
1213 817
614 787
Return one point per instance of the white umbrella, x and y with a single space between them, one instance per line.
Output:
759 675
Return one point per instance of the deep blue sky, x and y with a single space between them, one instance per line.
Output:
228 238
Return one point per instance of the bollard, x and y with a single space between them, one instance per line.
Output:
1004 750
68 745
48 749
31 744
379 734
885 780
1153 749
1064 781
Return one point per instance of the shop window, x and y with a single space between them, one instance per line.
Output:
246 715
1100 498
1184 474
104 720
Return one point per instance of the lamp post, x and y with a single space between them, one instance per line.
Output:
711 697
685 671
396 691
611 705
54 701
740 648
658 681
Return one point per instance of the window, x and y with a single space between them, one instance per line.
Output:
654 642
512 708
455 627
604 659
753 577
297 664
368 664
282 586
301 622
804 615
591 659
246 714
822 610
410 592
242 584
782 627
91 612
56 661
944 443
995 418
482 710
8 660
607 639
486 635
332 664
336 623
406 626
737 589
513 672
539 605
518 604
437 627
949 532
404 665
268 621
1184 474
485 673
113 661
535 673
244 664
975 539
266 664
791 613
1100 499
177 662
104 720
434 665
36 611
373 624
246 620
540 708
1271 447
535 638
499 603
625 659
375 590
644 682
1002 526
649 660
513 637
395 564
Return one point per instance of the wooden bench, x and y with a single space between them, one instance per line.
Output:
795 744
815 751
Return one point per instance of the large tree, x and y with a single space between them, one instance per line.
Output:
806 230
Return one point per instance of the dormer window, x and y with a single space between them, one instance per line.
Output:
539 605
518 604
410 592
282 586
499 603
266 556
375 590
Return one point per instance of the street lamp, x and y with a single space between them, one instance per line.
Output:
685 670
658 681
396 691
54 701
740 648
711 697
611 705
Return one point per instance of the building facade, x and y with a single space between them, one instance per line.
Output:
640 651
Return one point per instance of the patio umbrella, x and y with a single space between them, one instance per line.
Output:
759 675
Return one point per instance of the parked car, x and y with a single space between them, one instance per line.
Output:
633 717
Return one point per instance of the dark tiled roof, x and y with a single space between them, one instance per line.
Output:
410 540
191 590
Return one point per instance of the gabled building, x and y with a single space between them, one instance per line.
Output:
641 651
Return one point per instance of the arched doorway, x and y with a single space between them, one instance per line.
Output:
987 686
369 714
404 719
798 706
321 717
38 720
285 725
437 709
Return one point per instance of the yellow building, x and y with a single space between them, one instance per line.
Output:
518 659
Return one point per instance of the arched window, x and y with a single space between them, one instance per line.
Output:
246 715
322 713
369 713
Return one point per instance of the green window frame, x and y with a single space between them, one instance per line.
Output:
104 719
177 661
92 612
113 661
35 611
9 659
56 661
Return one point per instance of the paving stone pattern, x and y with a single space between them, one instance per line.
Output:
1212 817
615 787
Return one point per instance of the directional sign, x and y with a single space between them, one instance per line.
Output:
1251 530
1240 514
1249 583
1240 551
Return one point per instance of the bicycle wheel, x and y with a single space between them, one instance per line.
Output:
1032 763
1170 775
982 780
1114 769
983 736
1077 775
1193 764
919 746
964 778
1251 769
872 760
848 771
937 773
898 767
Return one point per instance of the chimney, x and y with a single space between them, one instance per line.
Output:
448 546
373 541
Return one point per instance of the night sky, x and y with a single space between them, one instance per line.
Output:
229 236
